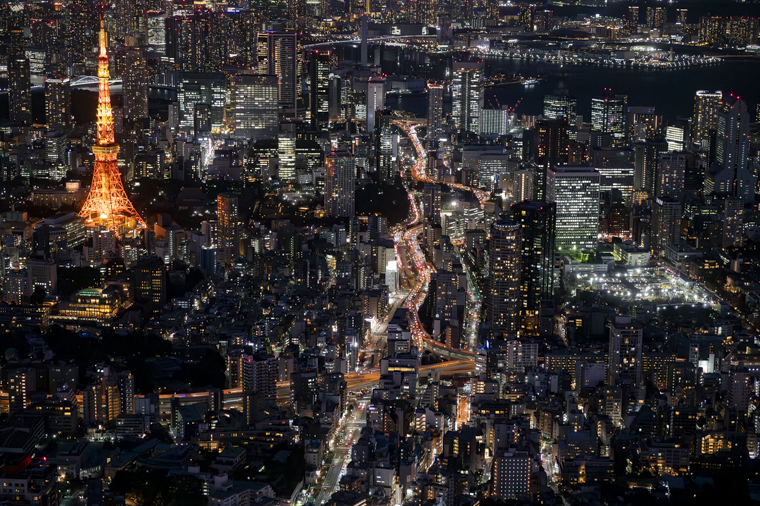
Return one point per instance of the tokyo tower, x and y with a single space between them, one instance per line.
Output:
107 205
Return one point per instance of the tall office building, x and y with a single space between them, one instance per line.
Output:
195 88
57 95
19 80
255 104
340 180
552 140
616 168
435 109
504 275
671 176
283 62
536 220
383 144
319 95
375 100
227 213
706 106
467 94
624 366
608 113
494 121
286 152
666 224
561 107
135 85
575 190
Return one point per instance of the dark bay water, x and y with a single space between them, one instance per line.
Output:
671 91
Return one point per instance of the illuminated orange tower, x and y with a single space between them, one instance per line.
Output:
107 205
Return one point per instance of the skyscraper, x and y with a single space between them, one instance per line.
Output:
375 100
504 274
552 139
19 80
195 88
255 102
624 367
560 107
340 178
656 16
57 95
435 108
608 113
467 94
729 174
135 85
575 190
319 98
671 175
666 223
383 144
431 203
283 62
537 279
229 226
706 106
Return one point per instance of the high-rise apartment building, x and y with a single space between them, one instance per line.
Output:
227 213
733 217
150 281
656 16
467 94
57 95
255 104
504 276
729 174
340 180
431 203
624 366
319 94
435 108
19 79
537 278
135 84
575 190
552 139
706 106
671 174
